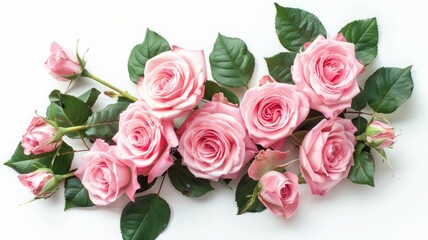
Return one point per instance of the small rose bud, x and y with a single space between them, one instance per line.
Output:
278 192
64 65
42 182
40 137
379 135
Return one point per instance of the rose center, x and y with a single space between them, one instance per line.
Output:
333 70
285 192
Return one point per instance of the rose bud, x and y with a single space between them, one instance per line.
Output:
39 138
379 135
278 192
64 65
41 182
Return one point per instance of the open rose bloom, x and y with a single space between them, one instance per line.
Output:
145 140
326 154
173 82
106 176
326 71
272 111
214 143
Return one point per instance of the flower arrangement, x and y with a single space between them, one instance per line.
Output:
192 130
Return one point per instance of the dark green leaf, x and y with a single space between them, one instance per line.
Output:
75 194
231 63
361 124
90 96
365 35
295 27
388 88
243 194
362 172
61 162
186 183
144 185
145 218
104 124
360 101
68 111
279 66
313 118
58 160
152 45
212 88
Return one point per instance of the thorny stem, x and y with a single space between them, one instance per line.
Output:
124 94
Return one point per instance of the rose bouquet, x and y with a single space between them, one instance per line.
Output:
312 120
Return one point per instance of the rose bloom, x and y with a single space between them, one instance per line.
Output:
278 192
39 180
326 154
214 143
145 140
63 64
173 82
272 111
380 135
105 175
265 161
37 139
326 71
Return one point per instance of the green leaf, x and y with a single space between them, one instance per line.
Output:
104 124
365 35
186 183
231 63
244 194
301 180
90 96
361 124
75 194
360 101
145 218
362 172
313 118
68 111
144 185
58 160
388 88
212 88
152 45
295 27
279 66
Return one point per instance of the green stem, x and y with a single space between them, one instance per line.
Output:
72 129
160 187
124 94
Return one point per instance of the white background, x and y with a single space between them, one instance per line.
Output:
396 208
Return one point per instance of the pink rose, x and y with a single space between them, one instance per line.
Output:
105 175
63 64
41 183
214 143
37 139
326 71
380 135
173 82
145 140
278 192
272 111
326 154
265 161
